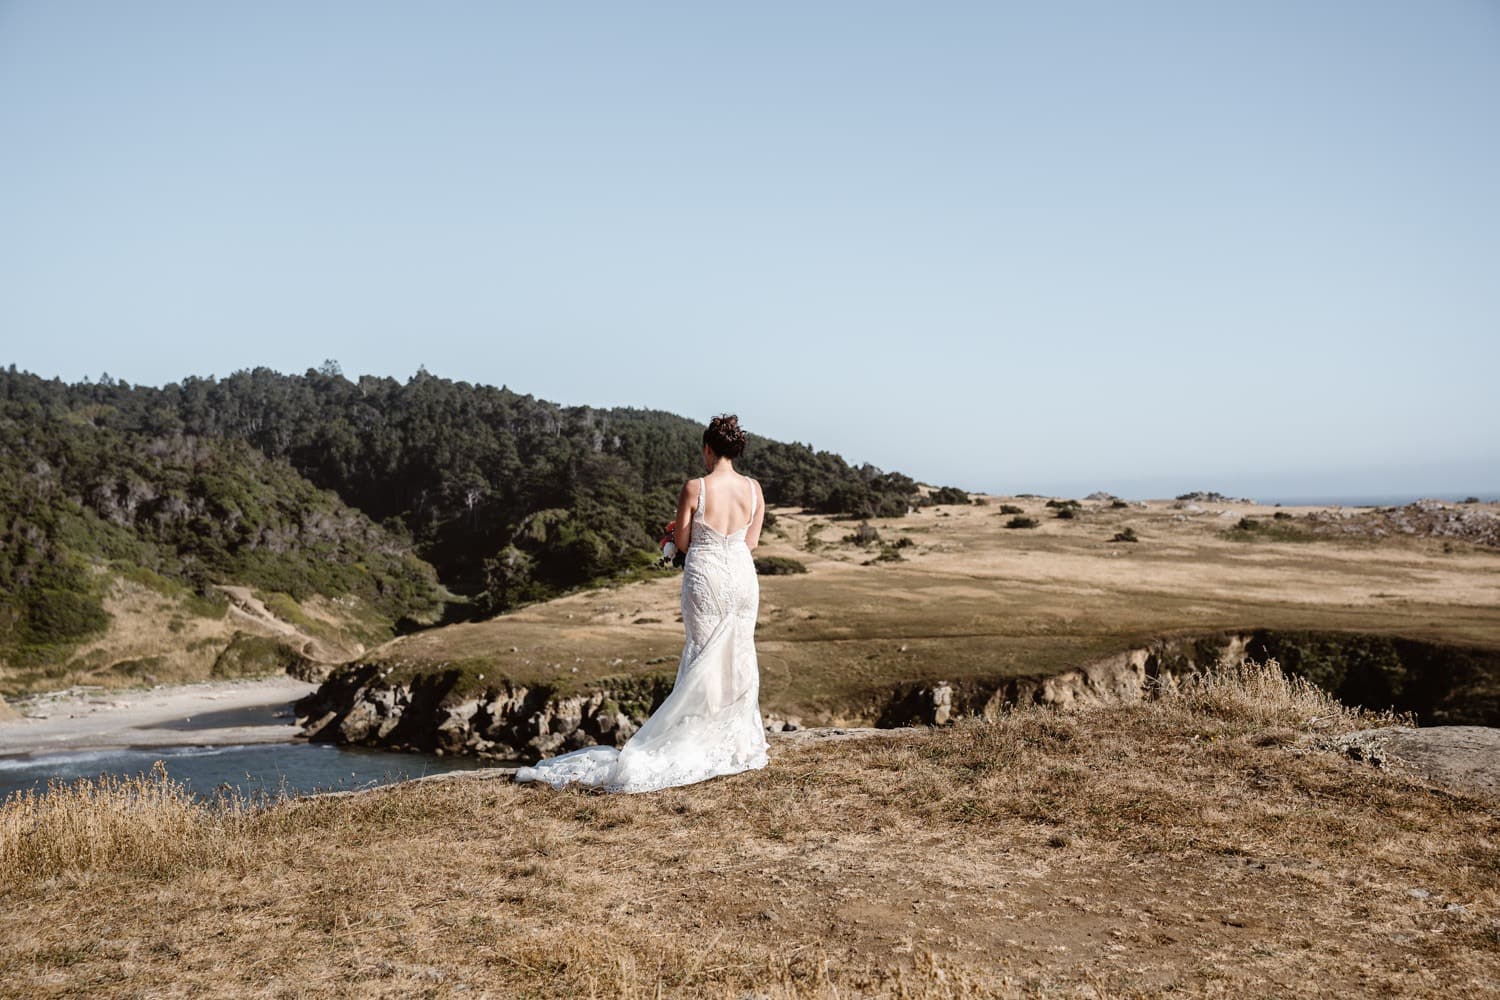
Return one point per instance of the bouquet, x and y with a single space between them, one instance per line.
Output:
670 556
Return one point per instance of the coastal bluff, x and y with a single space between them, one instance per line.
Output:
361 706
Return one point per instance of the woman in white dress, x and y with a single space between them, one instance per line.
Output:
711 723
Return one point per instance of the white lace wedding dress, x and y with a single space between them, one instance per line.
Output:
711 723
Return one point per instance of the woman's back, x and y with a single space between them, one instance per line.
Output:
728 502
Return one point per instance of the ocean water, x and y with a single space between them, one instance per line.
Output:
252 771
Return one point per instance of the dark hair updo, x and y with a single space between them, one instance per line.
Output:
724 436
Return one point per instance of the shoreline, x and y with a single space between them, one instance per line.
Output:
87 718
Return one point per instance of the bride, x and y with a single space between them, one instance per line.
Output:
710 724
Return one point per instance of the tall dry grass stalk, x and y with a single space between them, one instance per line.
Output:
147 823
1262 694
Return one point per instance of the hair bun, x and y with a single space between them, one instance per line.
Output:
725 436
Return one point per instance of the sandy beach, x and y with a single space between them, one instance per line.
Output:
205 713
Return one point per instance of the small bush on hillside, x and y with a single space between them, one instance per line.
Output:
1118 504
888 553
256 656
1021 522
1248 529
945 494
865 534
1067 513
1063 504
778 566
1125 535
1010 508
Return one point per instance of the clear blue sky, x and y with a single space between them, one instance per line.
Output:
1144 247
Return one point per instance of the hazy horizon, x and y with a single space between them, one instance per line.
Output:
1143 248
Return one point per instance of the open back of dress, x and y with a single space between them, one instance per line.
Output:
711 723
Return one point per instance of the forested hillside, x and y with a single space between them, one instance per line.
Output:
318 483
180 511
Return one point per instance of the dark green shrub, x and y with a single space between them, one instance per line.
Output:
255 655
1021 522
1118 504
62 615
1010 508
865 534
778 566
1067 513
945 495
1125 535
139 669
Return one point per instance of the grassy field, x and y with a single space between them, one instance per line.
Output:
1197 845
970 597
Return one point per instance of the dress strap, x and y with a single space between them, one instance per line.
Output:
702 489
752 503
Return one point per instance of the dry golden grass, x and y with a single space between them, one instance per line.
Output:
147 825
1193 845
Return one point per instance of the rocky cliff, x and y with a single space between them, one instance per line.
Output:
359 706
509 721
1437 683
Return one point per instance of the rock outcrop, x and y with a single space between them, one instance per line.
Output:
361 707
1466 757
1131 676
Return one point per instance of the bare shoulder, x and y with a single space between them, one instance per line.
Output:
689 490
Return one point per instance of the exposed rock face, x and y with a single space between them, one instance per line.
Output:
7 713
360 707
1131 676
1467 757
